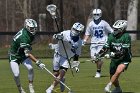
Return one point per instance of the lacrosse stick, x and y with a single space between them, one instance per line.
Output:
92 60
52 10
95 43
70 91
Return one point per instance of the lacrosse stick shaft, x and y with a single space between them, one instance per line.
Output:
95 43
57 78
54 12
57 24
67 57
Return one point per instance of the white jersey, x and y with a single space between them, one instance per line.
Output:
98 32
68 43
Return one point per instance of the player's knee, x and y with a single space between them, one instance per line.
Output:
30 68
63 68
16 75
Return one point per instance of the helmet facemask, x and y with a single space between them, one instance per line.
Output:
75 32
117 31
32 30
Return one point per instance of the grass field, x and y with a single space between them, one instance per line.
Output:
82 82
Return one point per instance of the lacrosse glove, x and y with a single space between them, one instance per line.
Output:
75 64
40 64
97 57
58 36
83 42
77 69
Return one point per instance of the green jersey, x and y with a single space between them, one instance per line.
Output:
122 45
21 41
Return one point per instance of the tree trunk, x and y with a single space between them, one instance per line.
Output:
132 17
117 10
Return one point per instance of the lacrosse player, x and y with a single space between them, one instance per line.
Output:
69 44
98 30
119 44
19 53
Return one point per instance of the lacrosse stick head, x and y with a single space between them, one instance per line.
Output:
52 10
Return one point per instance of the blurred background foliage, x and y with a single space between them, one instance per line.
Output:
14 12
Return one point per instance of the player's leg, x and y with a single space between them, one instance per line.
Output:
114 78
62 62
15 69
28 64
113 67
56 68
75 64
94 50
99 63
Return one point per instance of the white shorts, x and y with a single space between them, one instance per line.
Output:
95 49
58 61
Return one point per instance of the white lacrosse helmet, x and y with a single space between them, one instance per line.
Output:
77 28
97 13
30 25
119 26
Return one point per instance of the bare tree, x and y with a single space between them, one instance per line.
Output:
117 9
132 15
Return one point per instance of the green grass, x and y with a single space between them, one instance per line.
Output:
41 49
82 82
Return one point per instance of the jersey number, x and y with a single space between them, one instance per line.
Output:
17 35
98 33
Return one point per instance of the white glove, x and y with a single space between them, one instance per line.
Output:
75 64
107 56
51 46
58 36
112 54
77 69
83 42
97 57
40 64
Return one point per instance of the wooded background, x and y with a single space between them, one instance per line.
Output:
14 12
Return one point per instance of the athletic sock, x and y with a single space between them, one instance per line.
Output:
51 87
99 70
110 83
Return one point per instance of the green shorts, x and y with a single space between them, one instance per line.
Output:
114 64
18 59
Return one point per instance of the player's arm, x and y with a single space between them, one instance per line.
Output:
108 28
58 36
86 37
103 51
28 54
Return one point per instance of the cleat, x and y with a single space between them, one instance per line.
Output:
22 90
98 75
107 89
49 90
117 90
31 88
